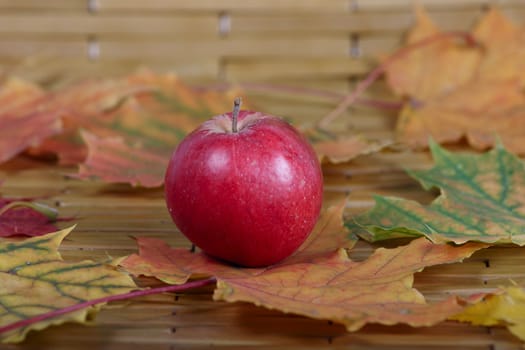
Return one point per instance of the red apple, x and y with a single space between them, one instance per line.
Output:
245 187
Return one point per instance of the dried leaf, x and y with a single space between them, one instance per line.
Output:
339 148
506 308
112 159
481 111
133 142
457 95
504 44
124 130
23 218
175 266
84 105
324 286
328 235
481 200
24 117
432 69
377 290
34 279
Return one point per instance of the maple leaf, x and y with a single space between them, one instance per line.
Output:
118 130
148 127
506 308
328 235
23 122
84 105
34 279
340 147
378 290
481 200
25 218
113 159
318 282
473 98
504 44
432 69
479 110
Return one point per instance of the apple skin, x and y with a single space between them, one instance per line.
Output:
249 197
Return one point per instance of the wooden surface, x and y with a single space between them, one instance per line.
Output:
322 44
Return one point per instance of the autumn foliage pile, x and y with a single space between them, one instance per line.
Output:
123 130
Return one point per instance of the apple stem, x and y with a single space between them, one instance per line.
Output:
235 114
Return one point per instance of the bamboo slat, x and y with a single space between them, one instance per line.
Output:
13 48
289 69
226 5
84 23
316 6
350 22
38 6
389 5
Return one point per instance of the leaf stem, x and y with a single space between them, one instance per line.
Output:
379 70
124 296
235 114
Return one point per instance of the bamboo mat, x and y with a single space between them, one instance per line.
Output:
322 44
109 215
231 40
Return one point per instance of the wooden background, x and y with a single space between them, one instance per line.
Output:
323 45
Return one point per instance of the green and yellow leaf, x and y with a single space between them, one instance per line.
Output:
35 280
482 199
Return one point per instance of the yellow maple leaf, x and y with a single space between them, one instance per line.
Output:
35 280
507 309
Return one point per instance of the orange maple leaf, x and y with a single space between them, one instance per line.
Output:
84 106
432 69
504 48
484 101
344 148
481 111
133 142
156 258
377 290
124 130
319 281
25 118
